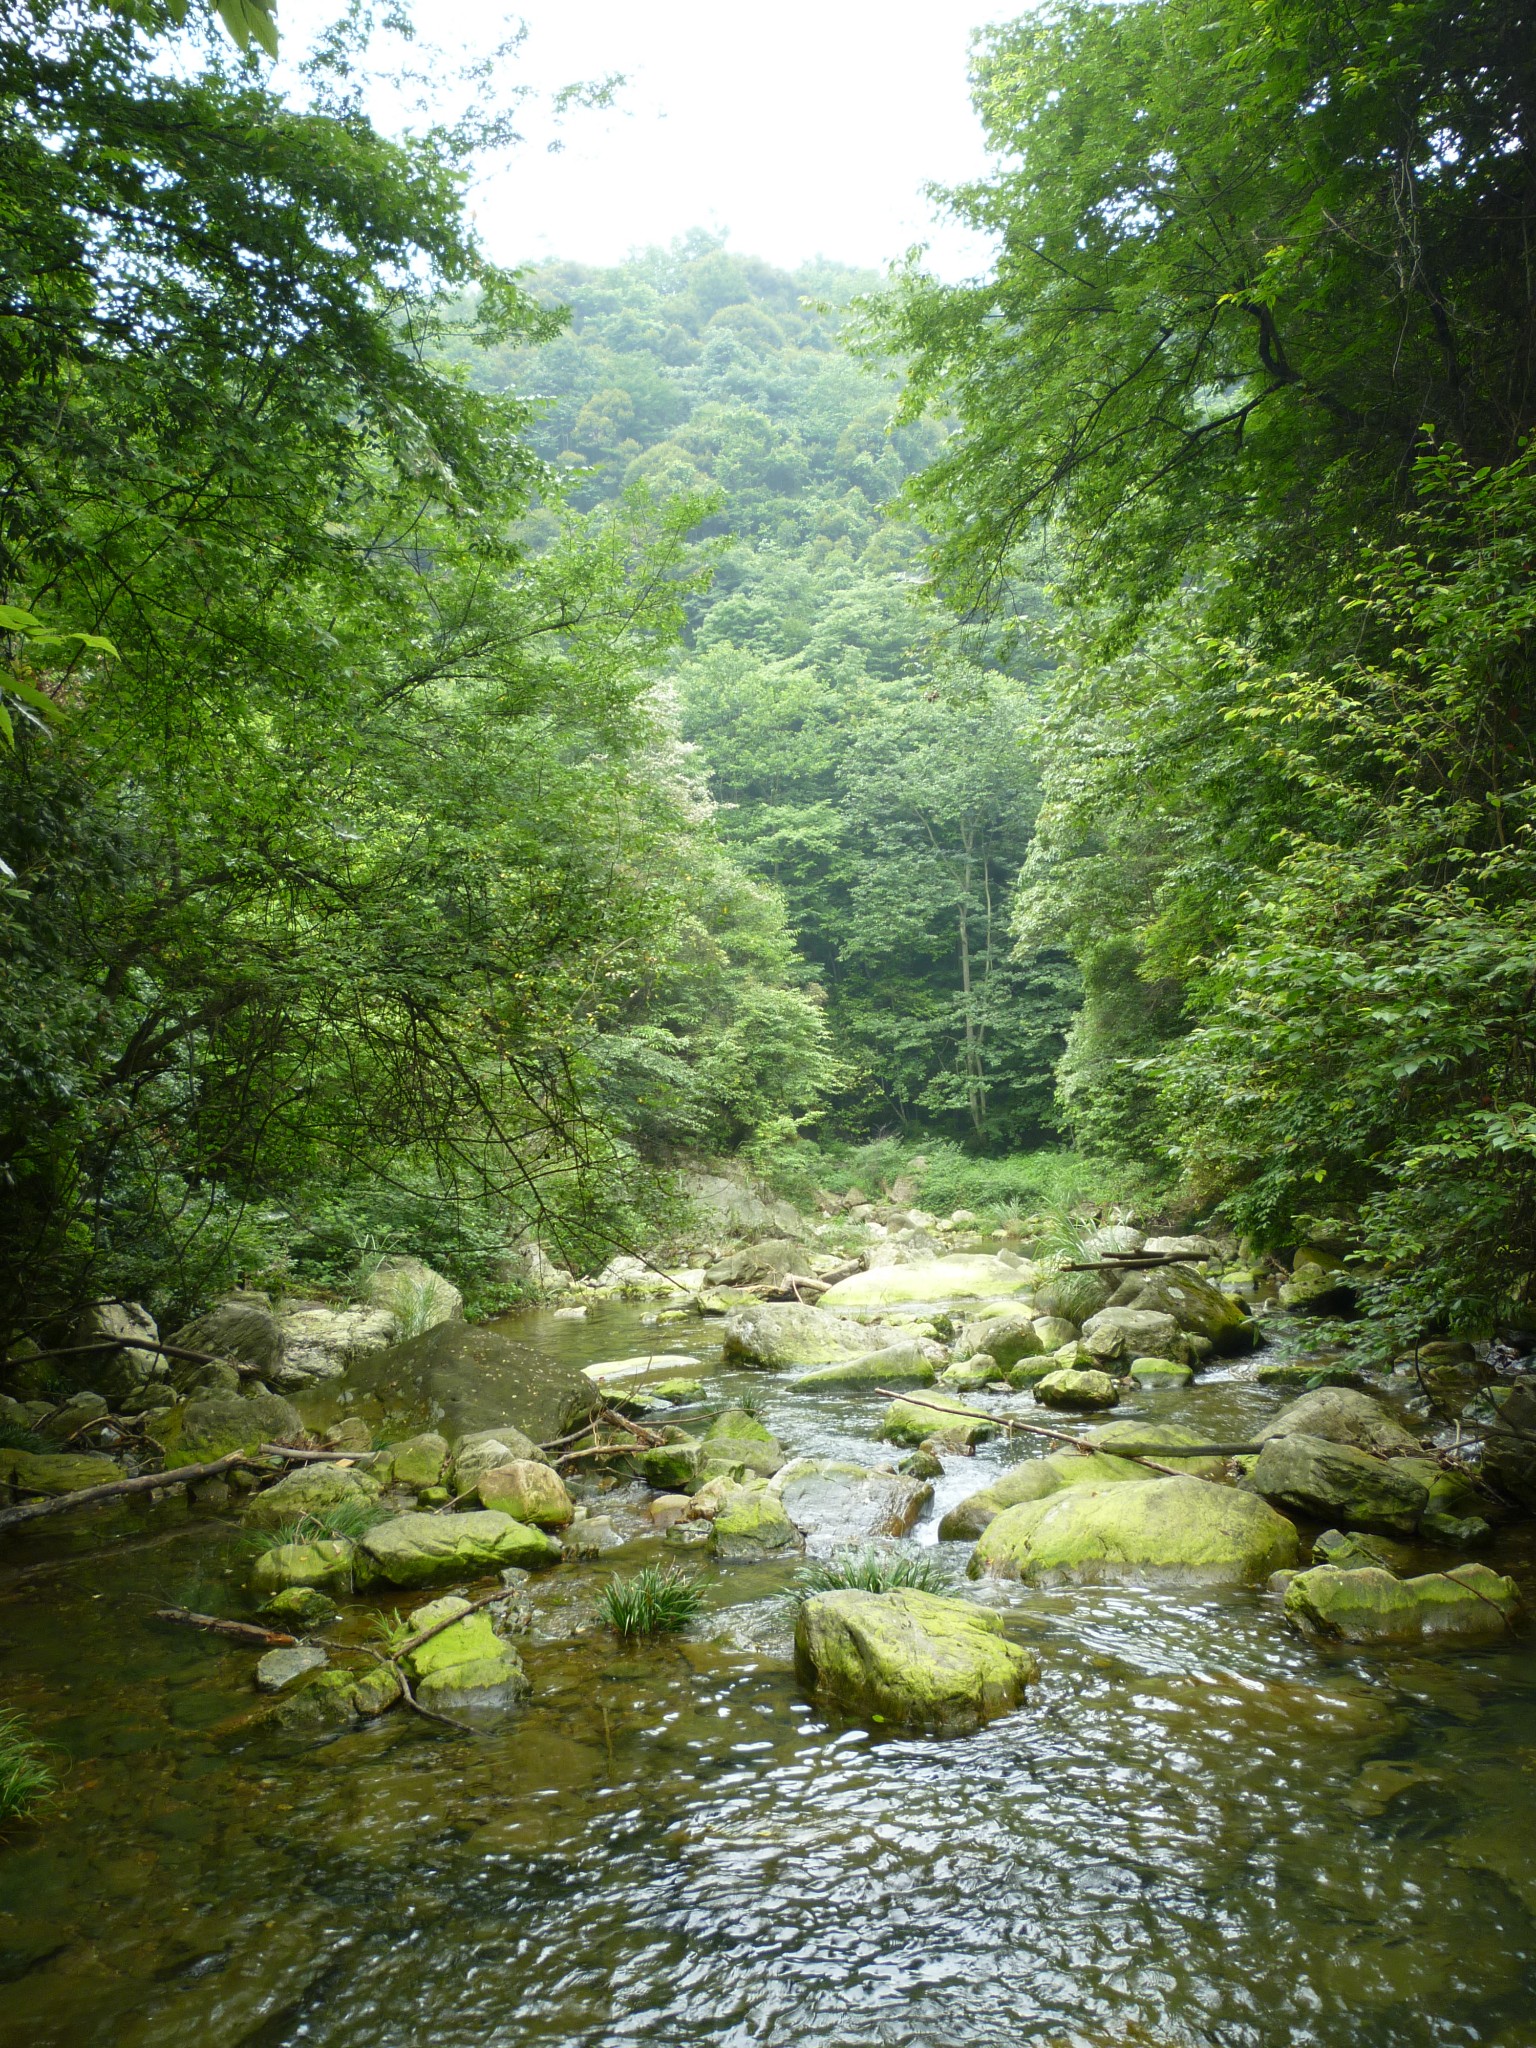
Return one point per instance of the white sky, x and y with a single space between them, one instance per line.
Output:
800 128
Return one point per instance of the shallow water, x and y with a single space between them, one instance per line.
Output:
1184 1838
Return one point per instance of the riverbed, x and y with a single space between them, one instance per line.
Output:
1201 1832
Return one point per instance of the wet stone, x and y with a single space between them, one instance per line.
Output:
279 1669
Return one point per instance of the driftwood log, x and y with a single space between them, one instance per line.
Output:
237 1631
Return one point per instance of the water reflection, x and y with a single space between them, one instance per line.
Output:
1201 1834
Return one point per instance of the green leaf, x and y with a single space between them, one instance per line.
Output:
249 21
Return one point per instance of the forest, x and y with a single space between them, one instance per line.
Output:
692 789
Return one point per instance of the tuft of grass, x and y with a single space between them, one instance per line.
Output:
659 1600
25 1780
343 1520
872 1570
391 1630
752 1401
15 1436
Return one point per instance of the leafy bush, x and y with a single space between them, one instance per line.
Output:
872 1570
25 1780
659 1600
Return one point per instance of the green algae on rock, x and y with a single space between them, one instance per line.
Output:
527 1491
466 1667
897 1365
963 1277
197 1432
1369 1605
415 1461
308 1491
412 1550
942 1420
913 1658
54 1472
753 1523
779 1335
300 1607
1180 1531
1067 1387
328 1562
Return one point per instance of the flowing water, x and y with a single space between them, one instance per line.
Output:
1201 1832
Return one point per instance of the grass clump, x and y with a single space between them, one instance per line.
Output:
25 1780
15 1436
659 1600
872 1570
343 1521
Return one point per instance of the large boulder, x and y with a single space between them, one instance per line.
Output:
729 1207
413 1550
529 1491
1337 1484
310 1491
1317 1290
321 1341
1197 1307
1173 1531
762 1264
199 1431
836 1505
121 1373
242 1329
466 1667
966 1276
1116 1333
897 1365
737 1442
466 1378
783 1334
1034 1479
938 1418
1468 1604
910 1658
412 1293
1069 1388
1343 1416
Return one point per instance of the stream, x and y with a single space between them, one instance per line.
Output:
1201 1832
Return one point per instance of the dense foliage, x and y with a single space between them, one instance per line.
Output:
354 876
1256 361
867 757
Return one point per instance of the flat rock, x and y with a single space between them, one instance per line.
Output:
897 1365
911 1658
279 1669
1335 1483
1172 1531
836 1504
1343 1416
639 1367
55 1472
1369 1605
938 1419
413 1550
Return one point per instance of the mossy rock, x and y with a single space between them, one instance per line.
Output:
940 1421
1172 1531
910 1658
672 1468
1069 1388
1006 1337
326 1563
197 1432
736 1425
466 1667
1160 1372
1034 1479
977 1372
897 1365
963 1277
413 1550
1370 1605
56 1472
1113 1436
754 1525
1336 1483
309 1491
416 1461
299 1608
528 1492
749 1454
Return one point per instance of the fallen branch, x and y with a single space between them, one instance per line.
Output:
147 1482
306 1457
237 1631
145 1344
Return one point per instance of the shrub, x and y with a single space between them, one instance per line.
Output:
25 1780
872 1570
659 1600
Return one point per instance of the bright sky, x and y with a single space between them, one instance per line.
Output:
799 128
